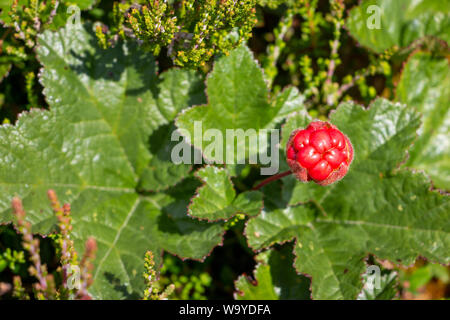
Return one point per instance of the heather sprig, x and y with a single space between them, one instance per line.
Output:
30 81
152 288
65 244
31 244
86 268
47 287
29 20
274 50
25 22
337 18
379 65
155 22
313 19
191 31
18 289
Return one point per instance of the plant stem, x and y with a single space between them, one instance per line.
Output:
337 11
274 50
272 178
345 87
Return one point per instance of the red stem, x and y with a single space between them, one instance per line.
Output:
272 178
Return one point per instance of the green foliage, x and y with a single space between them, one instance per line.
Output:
22 21
274 279
27 18
382 24
117 110
217 200
189 284
11 259
155 23
307 44
71 279
275 49
64 147
177 89
191 31
272 3
5 66
425 85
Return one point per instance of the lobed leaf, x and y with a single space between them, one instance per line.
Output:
425 85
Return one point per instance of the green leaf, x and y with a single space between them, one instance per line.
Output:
161 171
274 279
375 208
425 85
237 99
91 147
387 289
217 200
118 98
287 102
400 22
177 90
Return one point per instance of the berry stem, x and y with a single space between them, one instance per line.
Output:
272 178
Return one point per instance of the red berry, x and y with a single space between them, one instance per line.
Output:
320 152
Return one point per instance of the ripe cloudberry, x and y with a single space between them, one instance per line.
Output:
320 153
